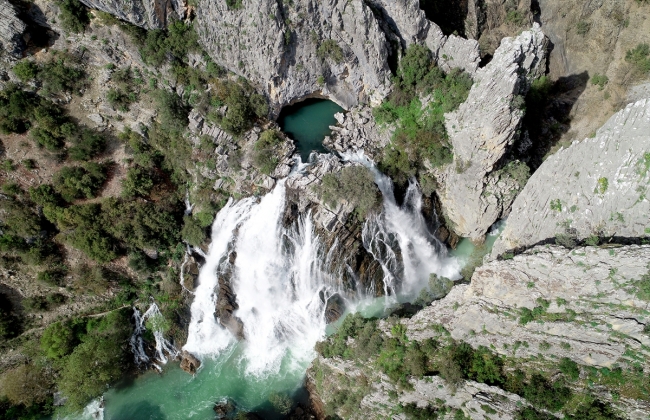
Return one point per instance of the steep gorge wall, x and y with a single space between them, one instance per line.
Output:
149 14
597 187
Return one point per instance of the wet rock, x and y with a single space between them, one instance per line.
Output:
227 303
334 308
189 363
225 409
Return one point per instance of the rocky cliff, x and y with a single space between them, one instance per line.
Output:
12 28
589 305
473 194
594 188
149 14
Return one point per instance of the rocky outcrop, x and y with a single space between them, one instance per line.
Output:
12 28
277 48
357 130
544 305
149 14
227 303
586 284
404 21
189 363
597 187
473 193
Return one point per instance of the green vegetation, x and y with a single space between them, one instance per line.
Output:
556 205
84 181
420 133
639 58
599 80
264 153
330 49
437 289
244 107
74 15
583 27
401 358
601 186
354 184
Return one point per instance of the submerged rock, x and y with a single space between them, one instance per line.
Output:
189 363
334 308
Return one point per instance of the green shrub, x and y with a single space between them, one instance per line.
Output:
87 144
569 368
234 4
639 57
281 402
173 43
515 18
599 80
84 181
138 182
582 27
25 70
354 184
98 361
74 15
16 107
192 232
420 134
58 340
58 76
172 113
552 396
330 49
264 152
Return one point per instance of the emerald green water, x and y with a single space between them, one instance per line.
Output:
308 122
175 394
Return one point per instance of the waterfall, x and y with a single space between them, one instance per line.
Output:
278 276
403 228
163 346
277 272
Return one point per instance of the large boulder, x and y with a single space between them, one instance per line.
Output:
474 193
596 187
189 362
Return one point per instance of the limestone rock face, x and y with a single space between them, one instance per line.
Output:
149 14
595 187
404 21
277 48
473 194
357 130
593 282
11 31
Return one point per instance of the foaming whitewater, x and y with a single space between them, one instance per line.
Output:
399 239
277 270
278 279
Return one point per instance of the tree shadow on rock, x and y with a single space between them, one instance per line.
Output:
548 109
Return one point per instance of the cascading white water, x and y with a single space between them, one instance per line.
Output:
403 228
163 346
278 278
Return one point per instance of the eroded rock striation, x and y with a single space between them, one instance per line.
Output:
544 305
12 28
149 14
596 187
474 194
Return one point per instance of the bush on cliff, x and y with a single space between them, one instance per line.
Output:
420 134
354 184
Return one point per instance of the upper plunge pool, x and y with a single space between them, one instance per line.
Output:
307 123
